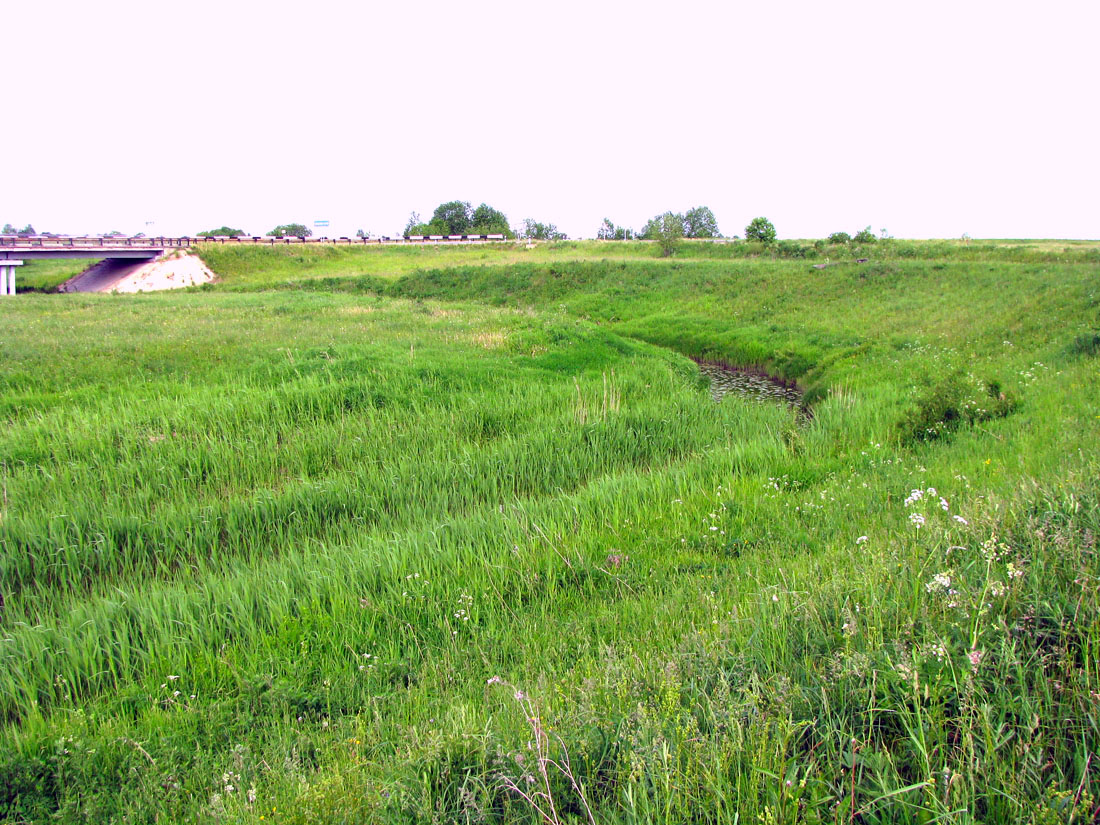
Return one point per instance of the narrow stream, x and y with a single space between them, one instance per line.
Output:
749 384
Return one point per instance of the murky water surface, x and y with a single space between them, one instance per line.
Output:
726 380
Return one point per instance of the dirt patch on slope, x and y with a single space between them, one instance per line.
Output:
171 271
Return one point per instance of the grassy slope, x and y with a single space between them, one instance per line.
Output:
247 267
48 274
251 492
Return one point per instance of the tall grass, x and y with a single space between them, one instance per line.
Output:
398 556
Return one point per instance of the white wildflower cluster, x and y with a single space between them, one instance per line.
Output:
994 550
780 484
917 495
1014 572
1031 374
975 409
369 661
230 782
465 600
176 693
713 523
462 614
938 651
939 583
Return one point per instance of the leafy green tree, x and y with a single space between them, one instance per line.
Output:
535 231
760 229
222 232
295 230
839 237
455 216
700 223
865 236
668 232
651 229
661 223
23 233
488 221
609 232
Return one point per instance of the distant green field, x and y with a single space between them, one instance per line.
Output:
457 535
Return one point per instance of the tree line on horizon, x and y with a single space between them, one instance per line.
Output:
461 218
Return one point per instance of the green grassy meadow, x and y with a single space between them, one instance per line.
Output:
458 535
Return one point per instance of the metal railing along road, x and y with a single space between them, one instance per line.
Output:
43 242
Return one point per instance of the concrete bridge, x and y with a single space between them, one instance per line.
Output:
15 249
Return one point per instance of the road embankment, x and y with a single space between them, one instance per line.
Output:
171 271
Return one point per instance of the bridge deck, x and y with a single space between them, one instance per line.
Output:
65 246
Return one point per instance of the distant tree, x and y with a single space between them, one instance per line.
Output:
114 233
535 231
488 221
839 237
609 232
433 228
661 223
455 216
458 218
760 229
362 233
295 230
23 233
222 232
700 223
668 231
865 235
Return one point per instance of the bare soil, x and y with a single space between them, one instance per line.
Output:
172 271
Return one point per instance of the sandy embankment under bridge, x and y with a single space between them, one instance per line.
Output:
172 270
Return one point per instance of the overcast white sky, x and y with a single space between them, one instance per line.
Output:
929 119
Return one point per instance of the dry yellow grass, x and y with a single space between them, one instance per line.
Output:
489 339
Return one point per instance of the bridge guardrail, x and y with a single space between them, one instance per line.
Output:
129 242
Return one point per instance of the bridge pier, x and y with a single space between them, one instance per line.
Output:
7 276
